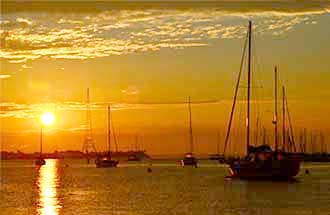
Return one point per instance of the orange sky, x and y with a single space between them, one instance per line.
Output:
147 62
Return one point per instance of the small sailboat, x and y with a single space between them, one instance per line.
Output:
217 156
134 155
261 162
40 161
106 160
189 159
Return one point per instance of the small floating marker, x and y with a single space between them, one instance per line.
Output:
307 172
149 169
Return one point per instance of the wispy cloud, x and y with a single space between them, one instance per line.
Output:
121 32
4 76
23 21
131 90
30 111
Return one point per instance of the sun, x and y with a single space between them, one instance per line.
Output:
47 118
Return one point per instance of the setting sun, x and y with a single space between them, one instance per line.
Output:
47 118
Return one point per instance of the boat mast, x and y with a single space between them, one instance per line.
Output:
40 141
290 124
248 92
305 140
312 144
136 143
190 129
301 145
275 117
115 138
218 142
322 142
283 124
109 129
264 136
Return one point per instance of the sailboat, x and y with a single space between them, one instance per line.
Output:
189 159
217 156
40 161
107 161
260 162
133 156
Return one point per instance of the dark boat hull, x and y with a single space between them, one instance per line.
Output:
133 157
268 170
106 163
190 161
40 162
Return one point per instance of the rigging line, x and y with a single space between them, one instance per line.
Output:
235 94
109 129
257 96
239 131
290 124
114 134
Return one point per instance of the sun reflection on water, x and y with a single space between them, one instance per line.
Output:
48 203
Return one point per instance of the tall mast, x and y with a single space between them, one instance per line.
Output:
40 141
322 142
283 119
136 142
190 129
301 143
305 140
88 144
109 129
291 137
218 142
115 138
312 144
264 135
235 95
248 93
275 117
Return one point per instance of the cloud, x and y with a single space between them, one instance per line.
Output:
89 35
23 22
24 66
4 76
131 90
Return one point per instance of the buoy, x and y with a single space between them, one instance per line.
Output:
149 169
307 172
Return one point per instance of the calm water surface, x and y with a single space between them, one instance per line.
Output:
170 189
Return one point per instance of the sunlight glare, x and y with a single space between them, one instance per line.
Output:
47 118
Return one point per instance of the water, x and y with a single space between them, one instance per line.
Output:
170 189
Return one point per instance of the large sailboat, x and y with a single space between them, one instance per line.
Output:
189 159
260 162
106 160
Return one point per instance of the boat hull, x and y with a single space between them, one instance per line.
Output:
272 170
106 163
189 161
40 162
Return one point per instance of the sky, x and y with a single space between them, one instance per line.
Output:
147 62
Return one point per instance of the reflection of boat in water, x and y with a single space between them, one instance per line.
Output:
262 162
107 161
189 159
